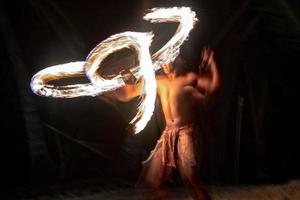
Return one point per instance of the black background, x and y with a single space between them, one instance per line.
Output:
46 140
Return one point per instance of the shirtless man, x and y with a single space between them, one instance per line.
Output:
177 148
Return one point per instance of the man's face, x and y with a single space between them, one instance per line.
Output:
168 68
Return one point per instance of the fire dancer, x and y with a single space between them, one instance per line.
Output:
181 92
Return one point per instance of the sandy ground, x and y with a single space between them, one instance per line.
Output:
285 191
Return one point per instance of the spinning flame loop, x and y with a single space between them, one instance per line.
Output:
144 71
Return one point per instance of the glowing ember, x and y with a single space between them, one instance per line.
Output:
145 70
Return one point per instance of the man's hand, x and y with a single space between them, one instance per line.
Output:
207 60
128 76
208 77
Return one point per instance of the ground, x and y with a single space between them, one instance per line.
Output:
90 190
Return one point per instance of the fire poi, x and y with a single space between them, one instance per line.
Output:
144 72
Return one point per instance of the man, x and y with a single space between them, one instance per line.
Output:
181 93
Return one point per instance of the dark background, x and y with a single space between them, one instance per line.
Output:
46 141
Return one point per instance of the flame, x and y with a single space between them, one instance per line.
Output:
141 43
167 54
186 19
144 71
73 69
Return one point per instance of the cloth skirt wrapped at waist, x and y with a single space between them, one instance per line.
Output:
177 144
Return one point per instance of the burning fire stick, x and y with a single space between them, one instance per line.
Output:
144 71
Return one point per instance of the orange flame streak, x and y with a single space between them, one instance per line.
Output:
141 43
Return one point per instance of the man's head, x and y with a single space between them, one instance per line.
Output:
178 66
168 68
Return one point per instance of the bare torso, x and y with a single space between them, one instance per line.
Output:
176 98
180 95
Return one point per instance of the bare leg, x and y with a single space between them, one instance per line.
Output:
153 174
187 162
191 179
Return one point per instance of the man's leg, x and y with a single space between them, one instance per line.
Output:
188 163
189 176
154 173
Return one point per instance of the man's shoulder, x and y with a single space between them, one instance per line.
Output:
161 79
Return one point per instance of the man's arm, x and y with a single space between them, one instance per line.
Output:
208 78
126 93
123 94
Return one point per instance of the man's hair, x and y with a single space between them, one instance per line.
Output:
180 66
184 64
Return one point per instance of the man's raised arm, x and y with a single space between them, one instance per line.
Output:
209 77
126 93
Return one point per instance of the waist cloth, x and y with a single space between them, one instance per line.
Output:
177 144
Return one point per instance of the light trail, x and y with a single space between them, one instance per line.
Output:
145 70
